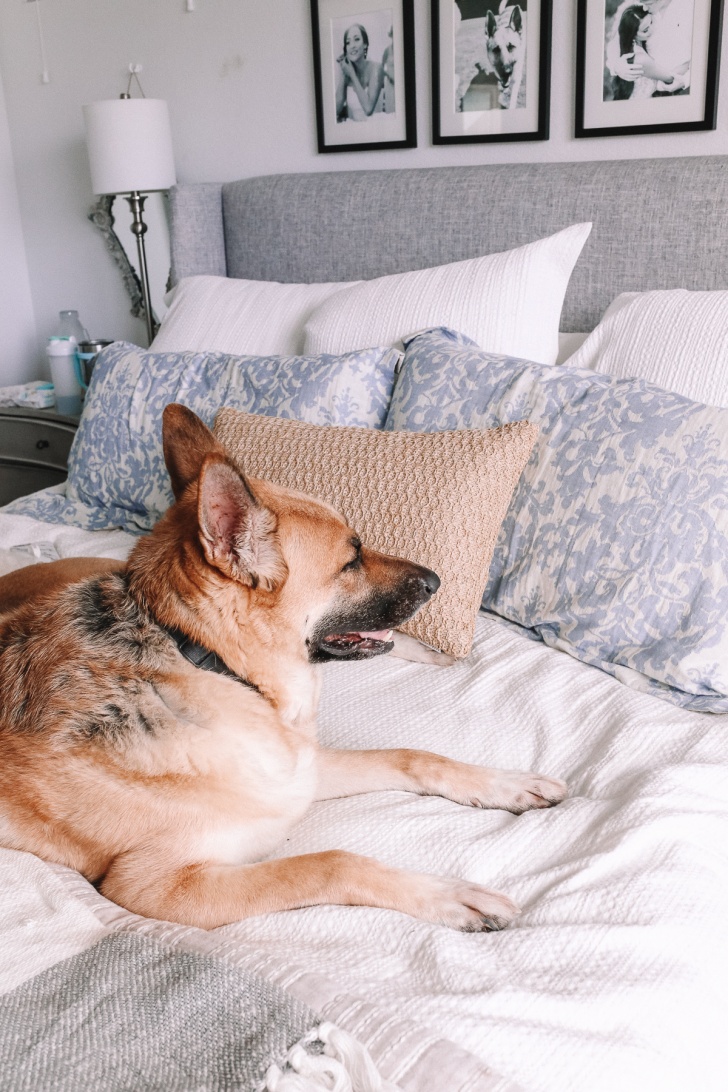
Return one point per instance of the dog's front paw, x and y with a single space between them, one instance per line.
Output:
462 905
512 790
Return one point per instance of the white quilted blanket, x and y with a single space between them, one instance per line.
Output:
614 977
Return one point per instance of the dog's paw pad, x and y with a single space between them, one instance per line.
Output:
538 792
517 792
471 908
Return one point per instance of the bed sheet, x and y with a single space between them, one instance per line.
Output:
53 540
613 976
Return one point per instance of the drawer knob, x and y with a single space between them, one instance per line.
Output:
42 445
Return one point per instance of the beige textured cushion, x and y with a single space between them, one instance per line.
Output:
437 498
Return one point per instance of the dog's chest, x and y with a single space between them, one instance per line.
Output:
256 798
255 777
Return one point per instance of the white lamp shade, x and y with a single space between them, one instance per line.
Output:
129 145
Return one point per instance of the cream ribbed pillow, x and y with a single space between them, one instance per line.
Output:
437 498
674 338
245 318
508 303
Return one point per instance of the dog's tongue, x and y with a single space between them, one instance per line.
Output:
375 634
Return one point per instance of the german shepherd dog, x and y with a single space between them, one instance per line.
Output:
167 784
506 48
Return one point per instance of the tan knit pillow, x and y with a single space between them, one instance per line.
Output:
437 498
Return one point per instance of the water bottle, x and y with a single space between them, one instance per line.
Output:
63 364
69 325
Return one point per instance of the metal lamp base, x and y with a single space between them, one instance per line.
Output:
139 229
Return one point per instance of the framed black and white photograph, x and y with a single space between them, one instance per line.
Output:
363 53
490 70
648 67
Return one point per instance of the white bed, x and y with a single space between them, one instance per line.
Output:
614 976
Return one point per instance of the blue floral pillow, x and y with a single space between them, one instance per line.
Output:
615 546
116 474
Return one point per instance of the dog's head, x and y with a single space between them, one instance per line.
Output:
503 36
302 570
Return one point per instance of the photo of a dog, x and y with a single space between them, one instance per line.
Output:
490 54
158 718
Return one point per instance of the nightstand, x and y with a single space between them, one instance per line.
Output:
34 447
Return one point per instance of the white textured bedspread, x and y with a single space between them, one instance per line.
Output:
614 977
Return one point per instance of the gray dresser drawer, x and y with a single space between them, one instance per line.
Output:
17 480
29 440
34 447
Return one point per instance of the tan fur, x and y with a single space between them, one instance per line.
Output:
166 784
33 581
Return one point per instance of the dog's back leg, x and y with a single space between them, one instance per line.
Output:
208 895
33 581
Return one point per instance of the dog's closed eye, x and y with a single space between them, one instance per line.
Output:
355 562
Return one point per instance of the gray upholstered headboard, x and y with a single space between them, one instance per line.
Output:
658 223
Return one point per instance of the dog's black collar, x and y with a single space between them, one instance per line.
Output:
205 658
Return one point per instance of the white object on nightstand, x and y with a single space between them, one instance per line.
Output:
63 363
36 395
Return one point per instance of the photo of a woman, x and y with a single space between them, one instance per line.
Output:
360 81
648 49
636 27
365 68
647 66
363 59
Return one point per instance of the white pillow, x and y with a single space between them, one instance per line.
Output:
245 318
676 339
568 344
508 303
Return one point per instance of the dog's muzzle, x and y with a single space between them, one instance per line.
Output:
369 632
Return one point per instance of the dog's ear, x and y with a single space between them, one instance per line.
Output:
516 19
186 442
237 533
490 24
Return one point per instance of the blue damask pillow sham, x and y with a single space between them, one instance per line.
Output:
116 473
615 546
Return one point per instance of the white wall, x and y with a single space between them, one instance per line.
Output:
238 78
18 339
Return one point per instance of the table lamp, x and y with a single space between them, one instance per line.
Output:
130 152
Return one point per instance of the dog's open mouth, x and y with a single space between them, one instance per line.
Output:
349 644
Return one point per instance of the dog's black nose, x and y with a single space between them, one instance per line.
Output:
430 581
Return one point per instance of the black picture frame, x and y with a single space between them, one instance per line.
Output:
383 129
599 115
456 123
